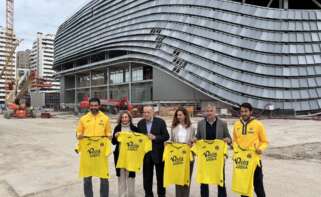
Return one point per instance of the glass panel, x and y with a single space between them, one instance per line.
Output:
137 74
83 80
119 92
98 78
69 96
70 81
82 93
127 75
116 76
142 92
100 92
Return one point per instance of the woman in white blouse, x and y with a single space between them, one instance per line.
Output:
182 132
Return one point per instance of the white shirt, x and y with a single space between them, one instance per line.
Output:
181 134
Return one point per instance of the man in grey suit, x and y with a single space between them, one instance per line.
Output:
210 128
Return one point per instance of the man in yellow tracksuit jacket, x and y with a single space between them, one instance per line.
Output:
94 124
249 132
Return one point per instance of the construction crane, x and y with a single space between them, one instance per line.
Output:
11 44
15 88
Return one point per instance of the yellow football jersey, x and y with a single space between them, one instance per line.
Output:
94 152
133 147
244 165
177 158
210 161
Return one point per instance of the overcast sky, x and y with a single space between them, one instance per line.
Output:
32 16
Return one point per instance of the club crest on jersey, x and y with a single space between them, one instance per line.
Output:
140 140
249 156
217 148
101 144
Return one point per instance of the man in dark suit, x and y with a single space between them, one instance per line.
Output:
210 128
156 129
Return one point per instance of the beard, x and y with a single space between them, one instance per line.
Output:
245 117
94 111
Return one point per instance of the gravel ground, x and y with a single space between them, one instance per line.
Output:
37 159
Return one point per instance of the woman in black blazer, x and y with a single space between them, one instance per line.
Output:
126 180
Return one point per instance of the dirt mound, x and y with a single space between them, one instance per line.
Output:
308 151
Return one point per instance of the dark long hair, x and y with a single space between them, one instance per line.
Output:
187 118
121 115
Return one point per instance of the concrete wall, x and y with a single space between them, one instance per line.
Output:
167 88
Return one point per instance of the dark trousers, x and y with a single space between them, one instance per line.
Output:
88 187
183 191
148 173
221 191
258 182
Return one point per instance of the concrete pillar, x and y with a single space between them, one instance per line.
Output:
62 89
130 83
108 83
286 4
90 75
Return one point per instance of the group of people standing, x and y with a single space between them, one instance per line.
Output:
248 132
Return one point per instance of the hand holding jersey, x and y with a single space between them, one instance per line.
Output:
210 161
133 147
177 158
94 152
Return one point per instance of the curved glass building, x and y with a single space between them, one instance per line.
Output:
193 50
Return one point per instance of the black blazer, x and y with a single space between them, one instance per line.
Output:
158 129
116 151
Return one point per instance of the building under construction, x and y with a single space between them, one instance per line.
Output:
263 52
6 45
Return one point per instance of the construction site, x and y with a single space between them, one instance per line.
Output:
166 54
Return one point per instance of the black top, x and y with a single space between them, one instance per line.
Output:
210 130
116 152
158 129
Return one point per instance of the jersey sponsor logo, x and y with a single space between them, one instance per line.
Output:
210 156
241 164
251 130
94 152
131 146
177 160
101 123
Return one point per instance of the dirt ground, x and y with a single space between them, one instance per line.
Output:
37 159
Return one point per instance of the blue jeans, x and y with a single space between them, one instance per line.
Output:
88 187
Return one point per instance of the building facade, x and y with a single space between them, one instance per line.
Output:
11 68
23 62
23 59
219 50
41 60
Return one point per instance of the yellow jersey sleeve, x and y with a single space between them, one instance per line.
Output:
262 138
108 128
80 127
